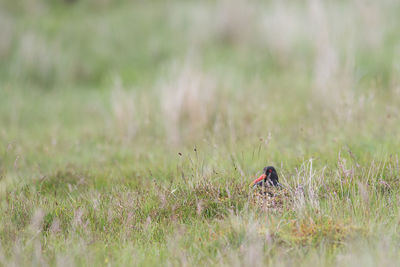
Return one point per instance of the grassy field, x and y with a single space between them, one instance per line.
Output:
130 131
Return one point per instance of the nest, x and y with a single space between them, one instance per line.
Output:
271 198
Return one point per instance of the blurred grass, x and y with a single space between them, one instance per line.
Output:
130 130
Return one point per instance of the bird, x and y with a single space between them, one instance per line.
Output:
268 193
268 178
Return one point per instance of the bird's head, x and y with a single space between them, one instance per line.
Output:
268 178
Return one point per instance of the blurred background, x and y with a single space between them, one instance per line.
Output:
94 77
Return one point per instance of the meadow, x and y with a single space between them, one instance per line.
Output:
131 130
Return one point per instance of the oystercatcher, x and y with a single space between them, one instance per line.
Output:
268 193
268 178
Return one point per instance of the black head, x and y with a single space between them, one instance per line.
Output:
271 176
268 178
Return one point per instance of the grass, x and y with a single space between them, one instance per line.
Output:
130 131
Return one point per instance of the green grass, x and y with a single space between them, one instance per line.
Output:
130 131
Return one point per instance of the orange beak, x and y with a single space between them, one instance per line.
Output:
262 177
